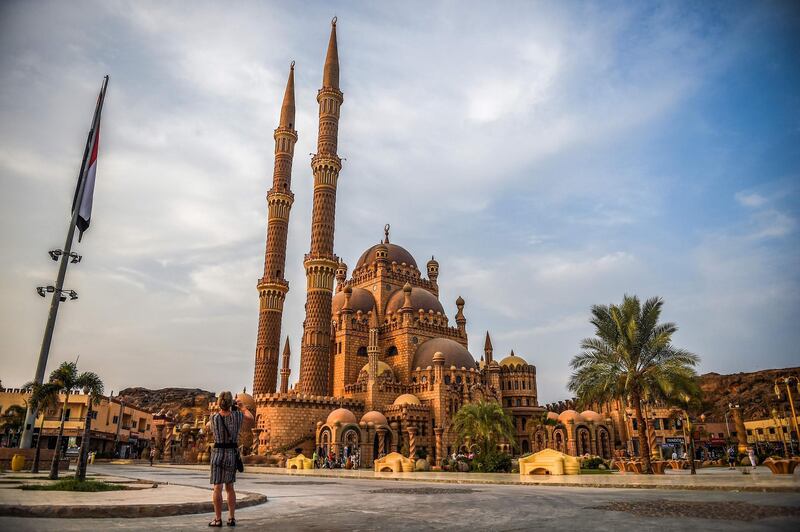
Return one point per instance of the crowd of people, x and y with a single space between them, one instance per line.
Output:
347 459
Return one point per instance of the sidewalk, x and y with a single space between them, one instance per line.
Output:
142 499
762 480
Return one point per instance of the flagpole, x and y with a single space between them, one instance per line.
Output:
30 416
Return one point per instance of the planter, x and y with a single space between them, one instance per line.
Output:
658 467
17 463
781 467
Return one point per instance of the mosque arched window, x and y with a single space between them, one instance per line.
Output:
423 379
391 351
362 351
458 379
447 379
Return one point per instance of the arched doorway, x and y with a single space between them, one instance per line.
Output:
526 447
350 441
325 441
584 439
558 437
604 443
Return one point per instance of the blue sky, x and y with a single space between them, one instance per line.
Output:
552 155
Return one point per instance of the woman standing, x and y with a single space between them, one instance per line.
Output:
225 426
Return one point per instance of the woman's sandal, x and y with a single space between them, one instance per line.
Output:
231 522
216 523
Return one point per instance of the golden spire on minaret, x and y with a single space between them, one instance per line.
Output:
320 263
272 287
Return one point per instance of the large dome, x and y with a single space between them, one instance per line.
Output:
454 354
360 299
342 415
420 299
396 254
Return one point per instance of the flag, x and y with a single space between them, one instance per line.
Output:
84 191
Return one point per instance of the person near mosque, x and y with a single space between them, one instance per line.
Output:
225 426
731 457
751 454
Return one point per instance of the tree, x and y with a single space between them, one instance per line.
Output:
690 400
631 357
43 398
68 379
485 423
12 421
92 386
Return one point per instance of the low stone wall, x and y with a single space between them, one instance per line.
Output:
45 457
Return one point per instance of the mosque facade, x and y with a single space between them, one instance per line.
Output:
382 366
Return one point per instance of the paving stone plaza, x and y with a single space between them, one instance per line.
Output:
446 502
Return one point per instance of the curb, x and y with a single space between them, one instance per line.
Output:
125 510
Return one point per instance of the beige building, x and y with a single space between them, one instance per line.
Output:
113 425
773 431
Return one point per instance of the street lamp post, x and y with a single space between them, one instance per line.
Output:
779 426
786 381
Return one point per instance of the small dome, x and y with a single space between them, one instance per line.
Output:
342 415
383 367
591 415
552 415
407 399
247 400
454 353
375 417
360 299
396 254
420 299
569 414
513 360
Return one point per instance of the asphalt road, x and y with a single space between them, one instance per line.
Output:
353 505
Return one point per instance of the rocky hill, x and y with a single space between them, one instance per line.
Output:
186 404
754 392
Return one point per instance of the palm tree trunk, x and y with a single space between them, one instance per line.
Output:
57 453
35 468
83 455
644 445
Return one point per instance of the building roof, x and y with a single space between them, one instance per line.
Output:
454 353
420 299
407 399
342 415
360 299
396 254
513 360
375 417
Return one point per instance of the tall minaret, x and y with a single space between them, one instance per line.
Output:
272 287
321 263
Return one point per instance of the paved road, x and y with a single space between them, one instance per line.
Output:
342 504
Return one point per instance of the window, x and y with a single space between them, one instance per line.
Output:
392 351
115 420
519 403
772 430
362 351
66 416
749 432
447 379
635 423
458 379
733 434
94 414
423 379
657 424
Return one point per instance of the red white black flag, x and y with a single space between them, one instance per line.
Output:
84 192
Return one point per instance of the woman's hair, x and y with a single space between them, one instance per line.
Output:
225 400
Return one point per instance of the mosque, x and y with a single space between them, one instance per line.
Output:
382 368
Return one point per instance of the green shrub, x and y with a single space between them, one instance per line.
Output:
492 463
71 484
591 463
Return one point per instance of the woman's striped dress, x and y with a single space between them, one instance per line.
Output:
223 461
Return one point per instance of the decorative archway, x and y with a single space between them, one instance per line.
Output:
559 440
604 443
584 441
538 441
526 448
350 440
325 441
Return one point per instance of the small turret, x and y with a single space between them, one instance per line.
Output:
487 348
433 269
461 321
341 275
285 369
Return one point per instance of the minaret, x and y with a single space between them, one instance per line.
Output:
487 348
285 369
320 263
272 287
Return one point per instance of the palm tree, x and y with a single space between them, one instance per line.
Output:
68 379
632 358
92 386
12 421
485 423
43 398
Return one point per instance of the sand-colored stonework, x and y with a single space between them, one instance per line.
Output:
549 462
382 367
